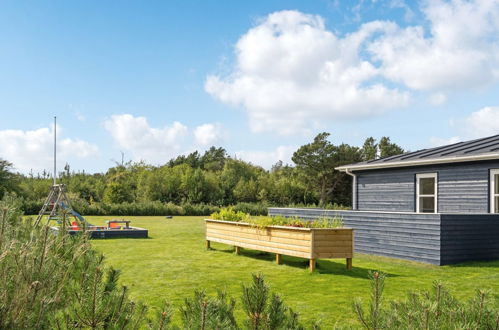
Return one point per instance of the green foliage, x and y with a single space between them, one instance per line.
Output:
229 214
375 319
163 318
97 303
317 160
385 148
204 313
8 180
323 222
252 208
435 309
52 281
56 281
264 312
212 178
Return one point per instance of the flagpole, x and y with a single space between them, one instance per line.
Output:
55 149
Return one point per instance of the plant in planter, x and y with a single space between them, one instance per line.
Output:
325 238
228 214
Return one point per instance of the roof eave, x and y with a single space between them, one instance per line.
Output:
420 162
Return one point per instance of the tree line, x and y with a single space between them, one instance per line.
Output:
211 178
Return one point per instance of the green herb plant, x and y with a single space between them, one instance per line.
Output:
228 214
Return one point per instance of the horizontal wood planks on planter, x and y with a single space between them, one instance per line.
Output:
309 243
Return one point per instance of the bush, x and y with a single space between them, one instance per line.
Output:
434 309
155 208
252 208
59 283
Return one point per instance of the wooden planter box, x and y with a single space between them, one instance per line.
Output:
309 243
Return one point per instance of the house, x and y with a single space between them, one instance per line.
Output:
438 205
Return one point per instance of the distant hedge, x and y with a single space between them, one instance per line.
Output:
155 208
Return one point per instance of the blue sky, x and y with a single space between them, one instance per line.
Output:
259 78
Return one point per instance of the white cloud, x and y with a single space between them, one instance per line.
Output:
437 142
156 145
459 51
268 158
481 123
208 134
291 72
33 150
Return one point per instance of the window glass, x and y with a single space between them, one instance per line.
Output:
427 186
496 184
496 204
427 204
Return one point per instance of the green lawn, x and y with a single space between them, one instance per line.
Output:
174 262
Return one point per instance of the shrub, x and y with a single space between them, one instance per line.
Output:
55 281
434 309
252 208
264 312
203 312
155 208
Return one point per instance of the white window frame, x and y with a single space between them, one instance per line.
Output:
493 173
422 176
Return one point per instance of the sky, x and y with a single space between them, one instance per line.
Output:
157 79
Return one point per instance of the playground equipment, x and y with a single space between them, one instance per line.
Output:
57 207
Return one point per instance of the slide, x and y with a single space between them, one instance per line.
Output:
76 214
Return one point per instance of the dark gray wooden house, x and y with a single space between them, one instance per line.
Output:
438 205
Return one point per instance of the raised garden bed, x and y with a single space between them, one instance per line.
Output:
309 243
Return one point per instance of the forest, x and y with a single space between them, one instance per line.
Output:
200 183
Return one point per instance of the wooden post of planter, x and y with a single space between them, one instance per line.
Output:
349 263
312 265
238 249
278 258
208 245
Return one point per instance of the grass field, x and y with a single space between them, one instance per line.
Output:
174 262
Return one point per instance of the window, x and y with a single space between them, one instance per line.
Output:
426 193
494 191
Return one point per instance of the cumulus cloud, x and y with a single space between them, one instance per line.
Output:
33 149
460 50
268 158
291 72
135 135
208 134
480 123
